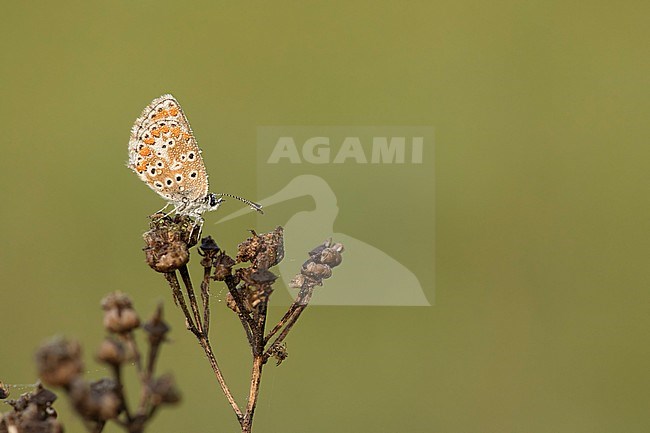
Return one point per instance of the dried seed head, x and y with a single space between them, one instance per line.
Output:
97 401
111 352
33 412
42 397
209 250
163 390
117 300
223 264
119 315
331 257
168 243
262 251
121 321
4 392
317 270
59 361
156 327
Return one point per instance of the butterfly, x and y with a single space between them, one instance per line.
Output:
163 152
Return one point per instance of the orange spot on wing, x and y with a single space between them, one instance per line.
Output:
164 129
145 151
161 114
186 136
173 111
155 132
140 168
176 131
149 140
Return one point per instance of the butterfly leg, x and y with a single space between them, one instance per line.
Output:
163 209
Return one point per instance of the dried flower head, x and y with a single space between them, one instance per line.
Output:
59 361
156 327
96 401
223 264
262 251
111 352
168 242
163 390
32 413
119 315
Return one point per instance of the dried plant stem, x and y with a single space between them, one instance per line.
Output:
205 298
289 319
187 281
172 279
249 290
199 329
256 377
205 344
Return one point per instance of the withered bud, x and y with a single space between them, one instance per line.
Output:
97 401
331 257
4 391
263 276
121 321
41 396
168 242
317 270
163 390
116 300
156 327
111 352
59 361
33 413
223 266
263 251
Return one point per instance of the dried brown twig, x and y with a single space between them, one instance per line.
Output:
249 289
60 364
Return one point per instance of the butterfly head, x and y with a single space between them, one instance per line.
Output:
213 201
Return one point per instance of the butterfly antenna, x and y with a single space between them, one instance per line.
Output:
255 206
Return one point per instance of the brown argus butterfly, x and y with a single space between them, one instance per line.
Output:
164 154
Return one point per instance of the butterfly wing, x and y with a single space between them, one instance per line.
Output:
164 154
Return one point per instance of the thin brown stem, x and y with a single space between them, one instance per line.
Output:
281 322
172 279
205 344
256 377
205 298
117 374
303 297
247 322
185 275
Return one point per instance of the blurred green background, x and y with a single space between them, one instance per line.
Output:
541 313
